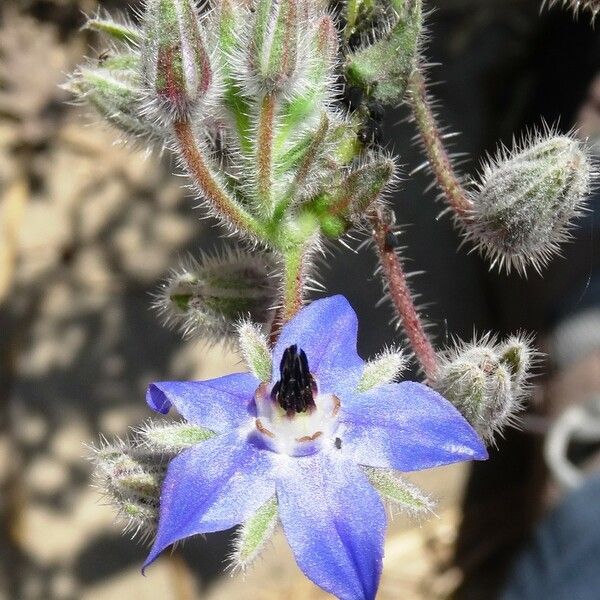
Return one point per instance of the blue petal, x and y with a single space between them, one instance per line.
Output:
212 486
407 426
219 404
335 524
326 330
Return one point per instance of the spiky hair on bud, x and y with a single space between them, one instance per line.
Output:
527 199
130 478
209 296
576 6
487 380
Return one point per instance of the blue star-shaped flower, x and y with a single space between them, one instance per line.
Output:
303 437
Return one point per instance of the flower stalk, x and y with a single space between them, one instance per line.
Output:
197 166
401 296
440 162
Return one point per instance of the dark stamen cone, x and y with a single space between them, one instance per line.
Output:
295 388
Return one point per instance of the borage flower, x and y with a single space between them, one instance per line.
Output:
305 447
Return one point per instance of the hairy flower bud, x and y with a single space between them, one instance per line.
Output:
275 52
348 202
175 63
486 381
113 91
210 296
526 200
384 67
130 479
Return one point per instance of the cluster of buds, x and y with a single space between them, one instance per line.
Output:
487 381
527 198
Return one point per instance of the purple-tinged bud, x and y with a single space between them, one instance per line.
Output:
526 200
275 51
175 63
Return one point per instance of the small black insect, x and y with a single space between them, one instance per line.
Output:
391 241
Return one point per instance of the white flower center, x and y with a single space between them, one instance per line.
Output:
296 434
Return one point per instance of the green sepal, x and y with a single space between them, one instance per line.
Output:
175 437
119 32
383 369
396 490
254 534
254 347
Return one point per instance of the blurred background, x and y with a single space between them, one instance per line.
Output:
88 228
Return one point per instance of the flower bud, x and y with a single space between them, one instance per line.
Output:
176 66
115 94
354 195
526 200
275 51
486 382
131 480
384 67
210 296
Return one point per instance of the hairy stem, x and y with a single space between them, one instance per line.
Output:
265 149
447 179
211 188
397 285
293 287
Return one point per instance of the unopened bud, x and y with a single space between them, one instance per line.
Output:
115 94
384 67
526 200
131 480
276 43
176 64
486 382
210 296
354 195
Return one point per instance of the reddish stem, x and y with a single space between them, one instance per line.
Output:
447 179
401 296
211 188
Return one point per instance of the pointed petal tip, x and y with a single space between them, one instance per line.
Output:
157 400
